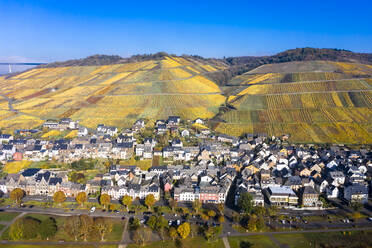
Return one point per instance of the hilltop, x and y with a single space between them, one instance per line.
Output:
315 95
115 94
313 101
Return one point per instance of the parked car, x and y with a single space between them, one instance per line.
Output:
93 209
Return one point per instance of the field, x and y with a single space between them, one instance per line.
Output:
197 242
331 239
111 94
16 166
313 107
259 241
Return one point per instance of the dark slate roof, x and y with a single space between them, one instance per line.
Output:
55 180
44 175
30 172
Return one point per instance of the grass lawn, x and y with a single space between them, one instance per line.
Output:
142 164
257 241
5 216
16 166
332 239
115 235
49 246
198 242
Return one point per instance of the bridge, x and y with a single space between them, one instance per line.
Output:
9 64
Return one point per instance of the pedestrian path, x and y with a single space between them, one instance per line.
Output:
226 242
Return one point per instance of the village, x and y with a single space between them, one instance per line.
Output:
198 164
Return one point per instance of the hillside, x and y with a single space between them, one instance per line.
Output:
313 101
116 94
243 64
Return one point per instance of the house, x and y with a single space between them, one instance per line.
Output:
199 121
138 125
281 196
82 131
309 197
185 133
5 138
356 193
17 156
337 177
51 124
173 120
332 192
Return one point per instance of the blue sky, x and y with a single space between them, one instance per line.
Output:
49 30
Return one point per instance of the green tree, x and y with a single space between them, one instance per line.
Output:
272 211
102 226
161 225
184 230
81 198
127 201
259 211
48 228
251 225
260 224
24 228
150 201
357 206
104 200
17 195
59 197
245 203
134 224
152 222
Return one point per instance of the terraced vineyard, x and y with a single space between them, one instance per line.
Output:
311 106
110 94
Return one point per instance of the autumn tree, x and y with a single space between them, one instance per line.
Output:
252 223
221 208
173 233
150 201
134 224
196 205
17 195
184 230
211 213
221 219
81 198
104 200
59 197
48 228
127 201
102 226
